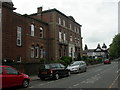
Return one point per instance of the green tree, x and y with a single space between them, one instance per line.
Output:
86 48
114 49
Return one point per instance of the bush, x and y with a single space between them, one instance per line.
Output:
67 60
43 61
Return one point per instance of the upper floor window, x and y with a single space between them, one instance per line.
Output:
70 26
32 29
63 22
41 32
19 31
78 30
59 21
71 37
64 36
60 35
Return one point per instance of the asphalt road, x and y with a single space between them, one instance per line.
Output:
99 76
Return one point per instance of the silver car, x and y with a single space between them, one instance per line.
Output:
77 66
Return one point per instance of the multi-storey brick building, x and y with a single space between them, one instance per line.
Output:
65 33
23 38
46 34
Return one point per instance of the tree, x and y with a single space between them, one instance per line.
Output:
114 49
86 48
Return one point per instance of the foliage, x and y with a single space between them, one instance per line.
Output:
67 60
43 61
79 57
114 49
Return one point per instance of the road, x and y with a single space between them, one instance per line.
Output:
99 76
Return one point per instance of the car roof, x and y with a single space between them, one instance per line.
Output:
51 63
78 61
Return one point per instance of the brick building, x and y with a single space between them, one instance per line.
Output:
46 34
65 33
24 39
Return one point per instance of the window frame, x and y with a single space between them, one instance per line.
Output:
32 30
19 36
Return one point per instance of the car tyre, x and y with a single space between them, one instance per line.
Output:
25 83
56 76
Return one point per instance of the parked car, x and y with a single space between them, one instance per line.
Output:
107 61
53 70
77 66
10 77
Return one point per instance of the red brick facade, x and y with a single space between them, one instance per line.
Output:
10 49
61 35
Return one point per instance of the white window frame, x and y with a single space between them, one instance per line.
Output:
59 21
41 32
32 52
19 34
20 59
64 23
37 51
32 29
71 38
60 35
41 52
64 36
70 26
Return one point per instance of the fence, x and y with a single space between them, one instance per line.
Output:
27 68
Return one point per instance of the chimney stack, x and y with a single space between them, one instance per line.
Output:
39 9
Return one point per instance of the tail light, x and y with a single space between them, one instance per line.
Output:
51 71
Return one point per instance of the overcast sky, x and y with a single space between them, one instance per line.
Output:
99 18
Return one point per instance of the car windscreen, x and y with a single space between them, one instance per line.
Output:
74 63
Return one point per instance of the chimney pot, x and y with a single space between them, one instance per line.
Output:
39 9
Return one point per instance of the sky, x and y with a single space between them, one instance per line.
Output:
99 18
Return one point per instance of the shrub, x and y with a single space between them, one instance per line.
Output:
43 61
67 60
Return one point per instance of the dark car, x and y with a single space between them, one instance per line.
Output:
53 70
107 61
11 77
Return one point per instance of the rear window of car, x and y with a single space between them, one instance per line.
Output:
53 66
44 67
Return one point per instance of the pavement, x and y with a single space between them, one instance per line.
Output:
34 77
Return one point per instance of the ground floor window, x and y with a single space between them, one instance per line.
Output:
32 52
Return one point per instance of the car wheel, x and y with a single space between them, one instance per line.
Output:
56 76
25 83
79 70
69 73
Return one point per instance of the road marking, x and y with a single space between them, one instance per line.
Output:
76 85
114 82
